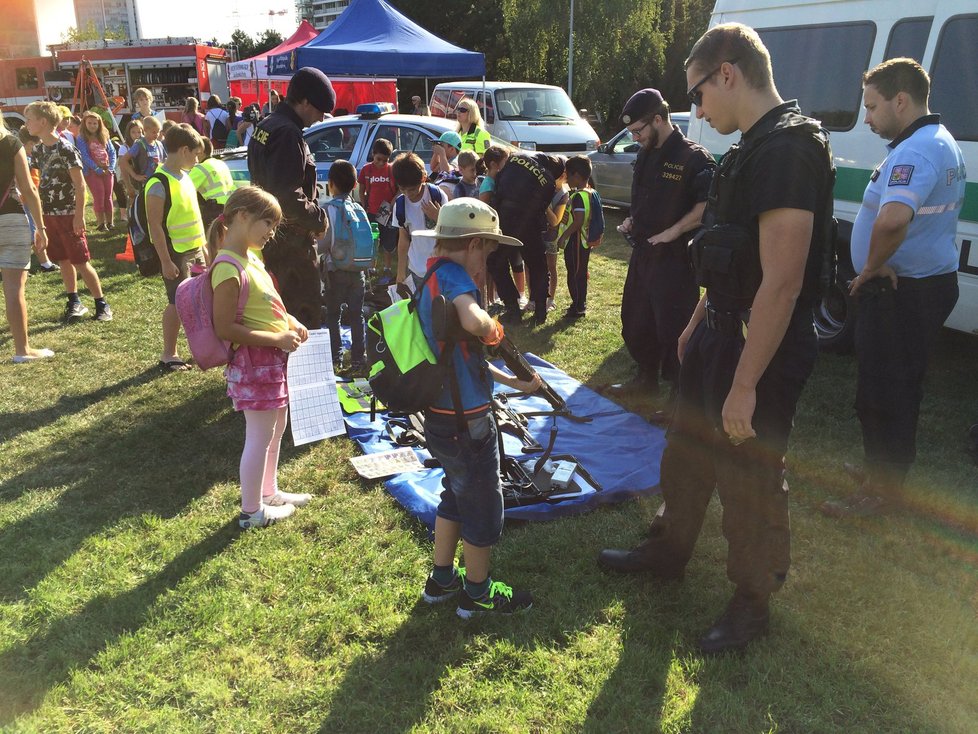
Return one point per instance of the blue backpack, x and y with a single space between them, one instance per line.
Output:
353 240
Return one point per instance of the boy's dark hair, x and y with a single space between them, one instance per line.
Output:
213 102
343 176
579 165
383 147
181 136
899 75
408 170
734 43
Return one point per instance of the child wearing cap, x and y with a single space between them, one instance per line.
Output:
464 437
443 152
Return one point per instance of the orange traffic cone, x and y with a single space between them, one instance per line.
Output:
128 254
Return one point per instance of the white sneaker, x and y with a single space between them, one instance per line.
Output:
35 354
266 515
524 301
551 306
288 498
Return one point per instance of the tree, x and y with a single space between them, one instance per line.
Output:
268 40
242 43
91 32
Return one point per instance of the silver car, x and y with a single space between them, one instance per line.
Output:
614 163
352 137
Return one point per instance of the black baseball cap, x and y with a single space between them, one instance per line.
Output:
641 104
313 86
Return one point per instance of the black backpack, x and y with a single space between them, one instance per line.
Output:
219 131
144 253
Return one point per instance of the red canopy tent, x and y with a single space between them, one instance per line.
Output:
249 78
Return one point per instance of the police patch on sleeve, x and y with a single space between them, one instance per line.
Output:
900 176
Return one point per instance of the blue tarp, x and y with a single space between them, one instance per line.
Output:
619 449
371 37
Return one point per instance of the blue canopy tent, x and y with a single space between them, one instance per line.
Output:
371 37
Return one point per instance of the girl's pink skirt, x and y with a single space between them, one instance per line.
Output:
257 378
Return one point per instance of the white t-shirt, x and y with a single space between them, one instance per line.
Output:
421 247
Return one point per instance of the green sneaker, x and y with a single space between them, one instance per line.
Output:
435 593
500 599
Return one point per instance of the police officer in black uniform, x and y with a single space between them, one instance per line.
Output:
669 190
524 189
750 345
280 162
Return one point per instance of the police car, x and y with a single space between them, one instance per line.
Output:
613 164
351 137
819 50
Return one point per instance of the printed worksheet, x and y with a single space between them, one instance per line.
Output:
314 409
375 466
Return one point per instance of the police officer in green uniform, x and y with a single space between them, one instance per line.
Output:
750 344
669 189
280 162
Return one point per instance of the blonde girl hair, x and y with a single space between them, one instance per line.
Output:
192 107
101 135
250 200
469 105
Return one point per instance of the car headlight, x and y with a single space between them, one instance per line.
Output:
525 144
593 144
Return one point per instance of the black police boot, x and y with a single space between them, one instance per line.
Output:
512 316
745 619
642 559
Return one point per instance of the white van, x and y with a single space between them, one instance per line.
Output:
530 116
819 50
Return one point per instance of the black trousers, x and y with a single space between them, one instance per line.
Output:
534 258
659 297
291 257
750 477
895 336
576 260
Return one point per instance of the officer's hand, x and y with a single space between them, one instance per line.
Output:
738 411
866 275
626 226
664 237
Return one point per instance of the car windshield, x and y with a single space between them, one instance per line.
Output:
534 104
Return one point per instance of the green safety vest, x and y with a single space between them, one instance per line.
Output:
568 217
182 224
352 398
477 141
213 181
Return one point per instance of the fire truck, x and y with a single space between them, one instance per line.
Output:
171 68
21 82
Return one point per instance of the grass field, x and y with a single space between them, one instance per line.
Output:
130 602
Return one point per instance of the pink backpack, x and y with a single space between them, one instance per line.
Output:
195 306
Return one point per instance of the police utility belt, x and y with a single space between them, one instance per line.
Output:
730 323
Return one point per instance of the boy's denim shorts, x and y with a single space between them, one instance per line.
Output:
473 495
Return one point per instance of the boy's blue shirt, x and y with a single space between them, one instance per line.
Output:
471 369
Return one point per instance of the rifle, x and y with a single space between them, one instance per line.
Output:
513 423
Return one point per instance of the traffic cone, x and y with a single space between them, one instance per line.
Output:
127 254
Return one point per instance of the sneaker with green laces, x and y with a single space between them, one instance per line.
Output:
500 599
435 593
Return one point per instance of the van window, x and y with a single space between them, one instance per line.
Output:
534 104
439 103
484 100
954 77
808 66
908 39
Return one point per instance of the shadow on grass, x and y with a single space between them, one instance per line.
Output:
28 671
14 424
111 470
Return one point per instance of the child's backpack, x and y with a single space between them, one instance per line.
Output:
437 196
353 239
195 307
404 373
145 255
595 217
219 130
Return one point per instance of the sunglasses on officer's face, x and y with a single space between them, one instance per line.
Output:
694 94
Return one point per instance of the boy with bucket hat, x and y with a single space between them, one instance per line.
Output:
463 437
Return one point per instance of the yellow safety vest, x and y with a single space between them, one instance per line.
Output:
569 216
182 223
213 181
477 141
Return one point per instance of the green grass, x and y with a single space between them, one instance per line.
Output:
129 602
